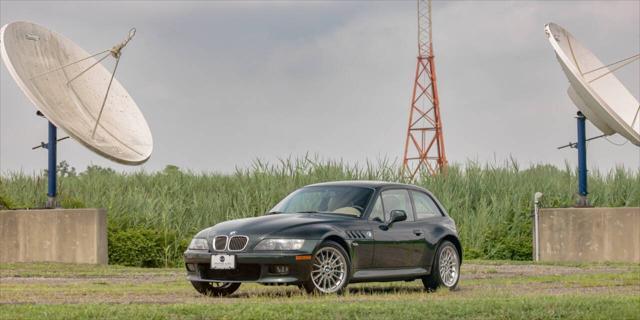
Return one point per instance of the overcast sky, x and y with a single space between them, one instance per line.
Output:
224 83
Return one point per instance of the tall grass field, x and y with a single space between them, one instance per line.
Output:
153 215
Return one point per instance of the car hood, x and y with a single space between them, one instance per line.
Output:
273 224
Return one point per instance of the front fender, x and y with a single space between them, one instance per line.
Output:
318 232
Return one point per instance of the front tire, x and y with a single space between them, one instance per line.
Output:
215 289
446 268
329 270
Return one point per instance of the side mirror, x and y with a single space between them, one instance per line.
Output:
396 215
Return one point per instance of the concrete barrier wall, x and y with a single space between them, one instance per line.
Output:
590 234
54 235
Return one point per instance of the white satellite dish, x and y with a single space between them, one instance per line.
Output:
75 92
594 89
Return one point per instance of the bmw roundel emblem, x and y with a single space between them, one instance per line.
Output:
232 233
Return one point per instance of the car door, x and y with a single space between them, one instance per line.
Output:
429 218
401 245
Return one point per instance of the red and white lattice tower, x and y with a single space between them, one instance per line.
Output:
424 146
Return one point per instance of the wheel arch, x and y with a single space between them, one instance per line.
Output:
339 240
456 242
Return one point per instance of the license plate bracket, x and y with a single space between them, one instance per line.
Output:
223 261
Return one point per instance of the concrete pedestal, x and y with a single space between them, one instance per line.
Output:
590 234
54 235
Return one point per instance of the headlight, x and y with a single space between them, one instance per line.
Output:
198 244
280 244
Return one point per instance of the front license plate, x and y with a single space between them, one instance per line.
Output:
223 261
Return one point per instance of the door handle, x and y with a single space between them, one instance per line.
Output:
417 232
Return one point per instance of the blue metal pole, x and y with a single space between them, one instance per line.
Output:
51 148
582 161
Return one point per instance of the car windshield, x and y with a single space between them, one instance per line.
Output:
333 199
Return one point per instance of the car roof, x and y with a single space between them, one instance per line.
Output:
361 183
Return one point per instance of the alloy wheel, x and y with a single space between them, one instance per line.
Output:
448 263
329 270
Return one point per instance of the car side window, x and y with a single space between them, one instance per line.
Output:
377 213
425 206
397 199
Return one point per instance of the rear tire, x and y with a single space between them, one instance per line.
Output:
446 268
330 270
215 289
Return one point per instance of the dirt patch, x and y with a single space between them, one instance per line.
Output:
137 279
477 271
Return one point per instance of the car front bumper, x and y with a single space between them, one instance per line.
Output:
250 267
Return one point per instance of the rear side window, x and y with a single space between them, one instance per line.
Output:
397 200
425 206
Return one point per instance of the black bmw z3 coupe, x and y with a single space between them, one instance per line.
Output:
324 236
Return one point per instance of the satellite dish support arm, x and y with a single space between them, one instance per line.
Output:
574 145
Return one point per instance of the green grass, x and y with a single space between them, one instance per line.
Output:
491 204
565 307
487 291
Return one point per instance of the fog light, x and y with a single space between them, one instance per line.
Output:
278 269
191 267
